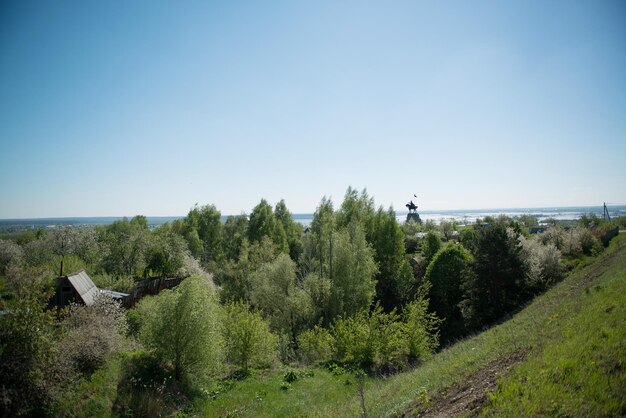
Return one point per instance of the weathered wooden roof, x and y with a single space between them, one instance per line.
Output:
84 286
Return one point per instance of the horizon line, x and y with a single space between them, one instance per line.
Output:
485 209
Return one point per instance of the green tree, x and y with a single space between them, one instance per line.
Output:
449 269
430 245
356 208
316 253
181 327
499 283
194 243
235 276
206 221
318 290
274 291
394 276
293 230
264 223
124 244
324 219
353 272
235 233
247 338
166 252
447 228
589 220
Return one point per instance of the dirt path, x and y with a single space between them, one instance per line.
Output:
467 398
599 266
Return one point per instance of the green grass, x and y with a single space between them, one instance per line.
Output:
264 395
571 340
582 369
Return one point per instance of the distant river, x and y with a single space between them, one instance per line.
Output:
463 216
467 216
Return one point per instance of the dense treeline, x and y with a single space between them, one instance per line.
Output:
354 289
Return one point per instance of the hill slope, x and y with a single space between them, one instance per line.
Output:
564 354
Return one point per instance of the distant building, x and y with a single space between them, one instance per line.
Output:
79 288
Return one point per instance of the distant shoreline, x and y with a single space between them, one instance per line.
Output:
468 215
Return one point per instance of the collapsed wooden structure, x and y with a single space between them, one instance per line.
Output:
79 288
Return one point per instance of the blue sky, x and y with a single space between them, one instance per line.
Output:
123 108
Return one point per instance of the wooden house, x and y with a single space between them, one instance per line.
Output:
79 288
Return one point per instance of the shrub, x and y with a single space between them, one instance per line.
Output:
420 328
26 351
316 345
147 389
571 243
353 343
247 338
589 243
133 323
181 327
375 340
554 235
94 334
544 263
10 253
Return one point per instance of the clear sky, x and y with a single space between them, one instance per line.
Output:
147 107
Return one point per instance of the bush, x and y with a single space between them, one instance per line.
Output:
375 341
133 323
571 243
247 338
589 243
94 334
544 263
181 327
26 351
420 328
554 235
10 253
147 389
316 345
353 343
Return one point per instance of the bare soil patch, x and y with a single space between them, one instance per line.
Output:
470 395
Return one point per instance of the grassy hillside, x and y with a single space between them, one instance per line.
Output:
563 354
